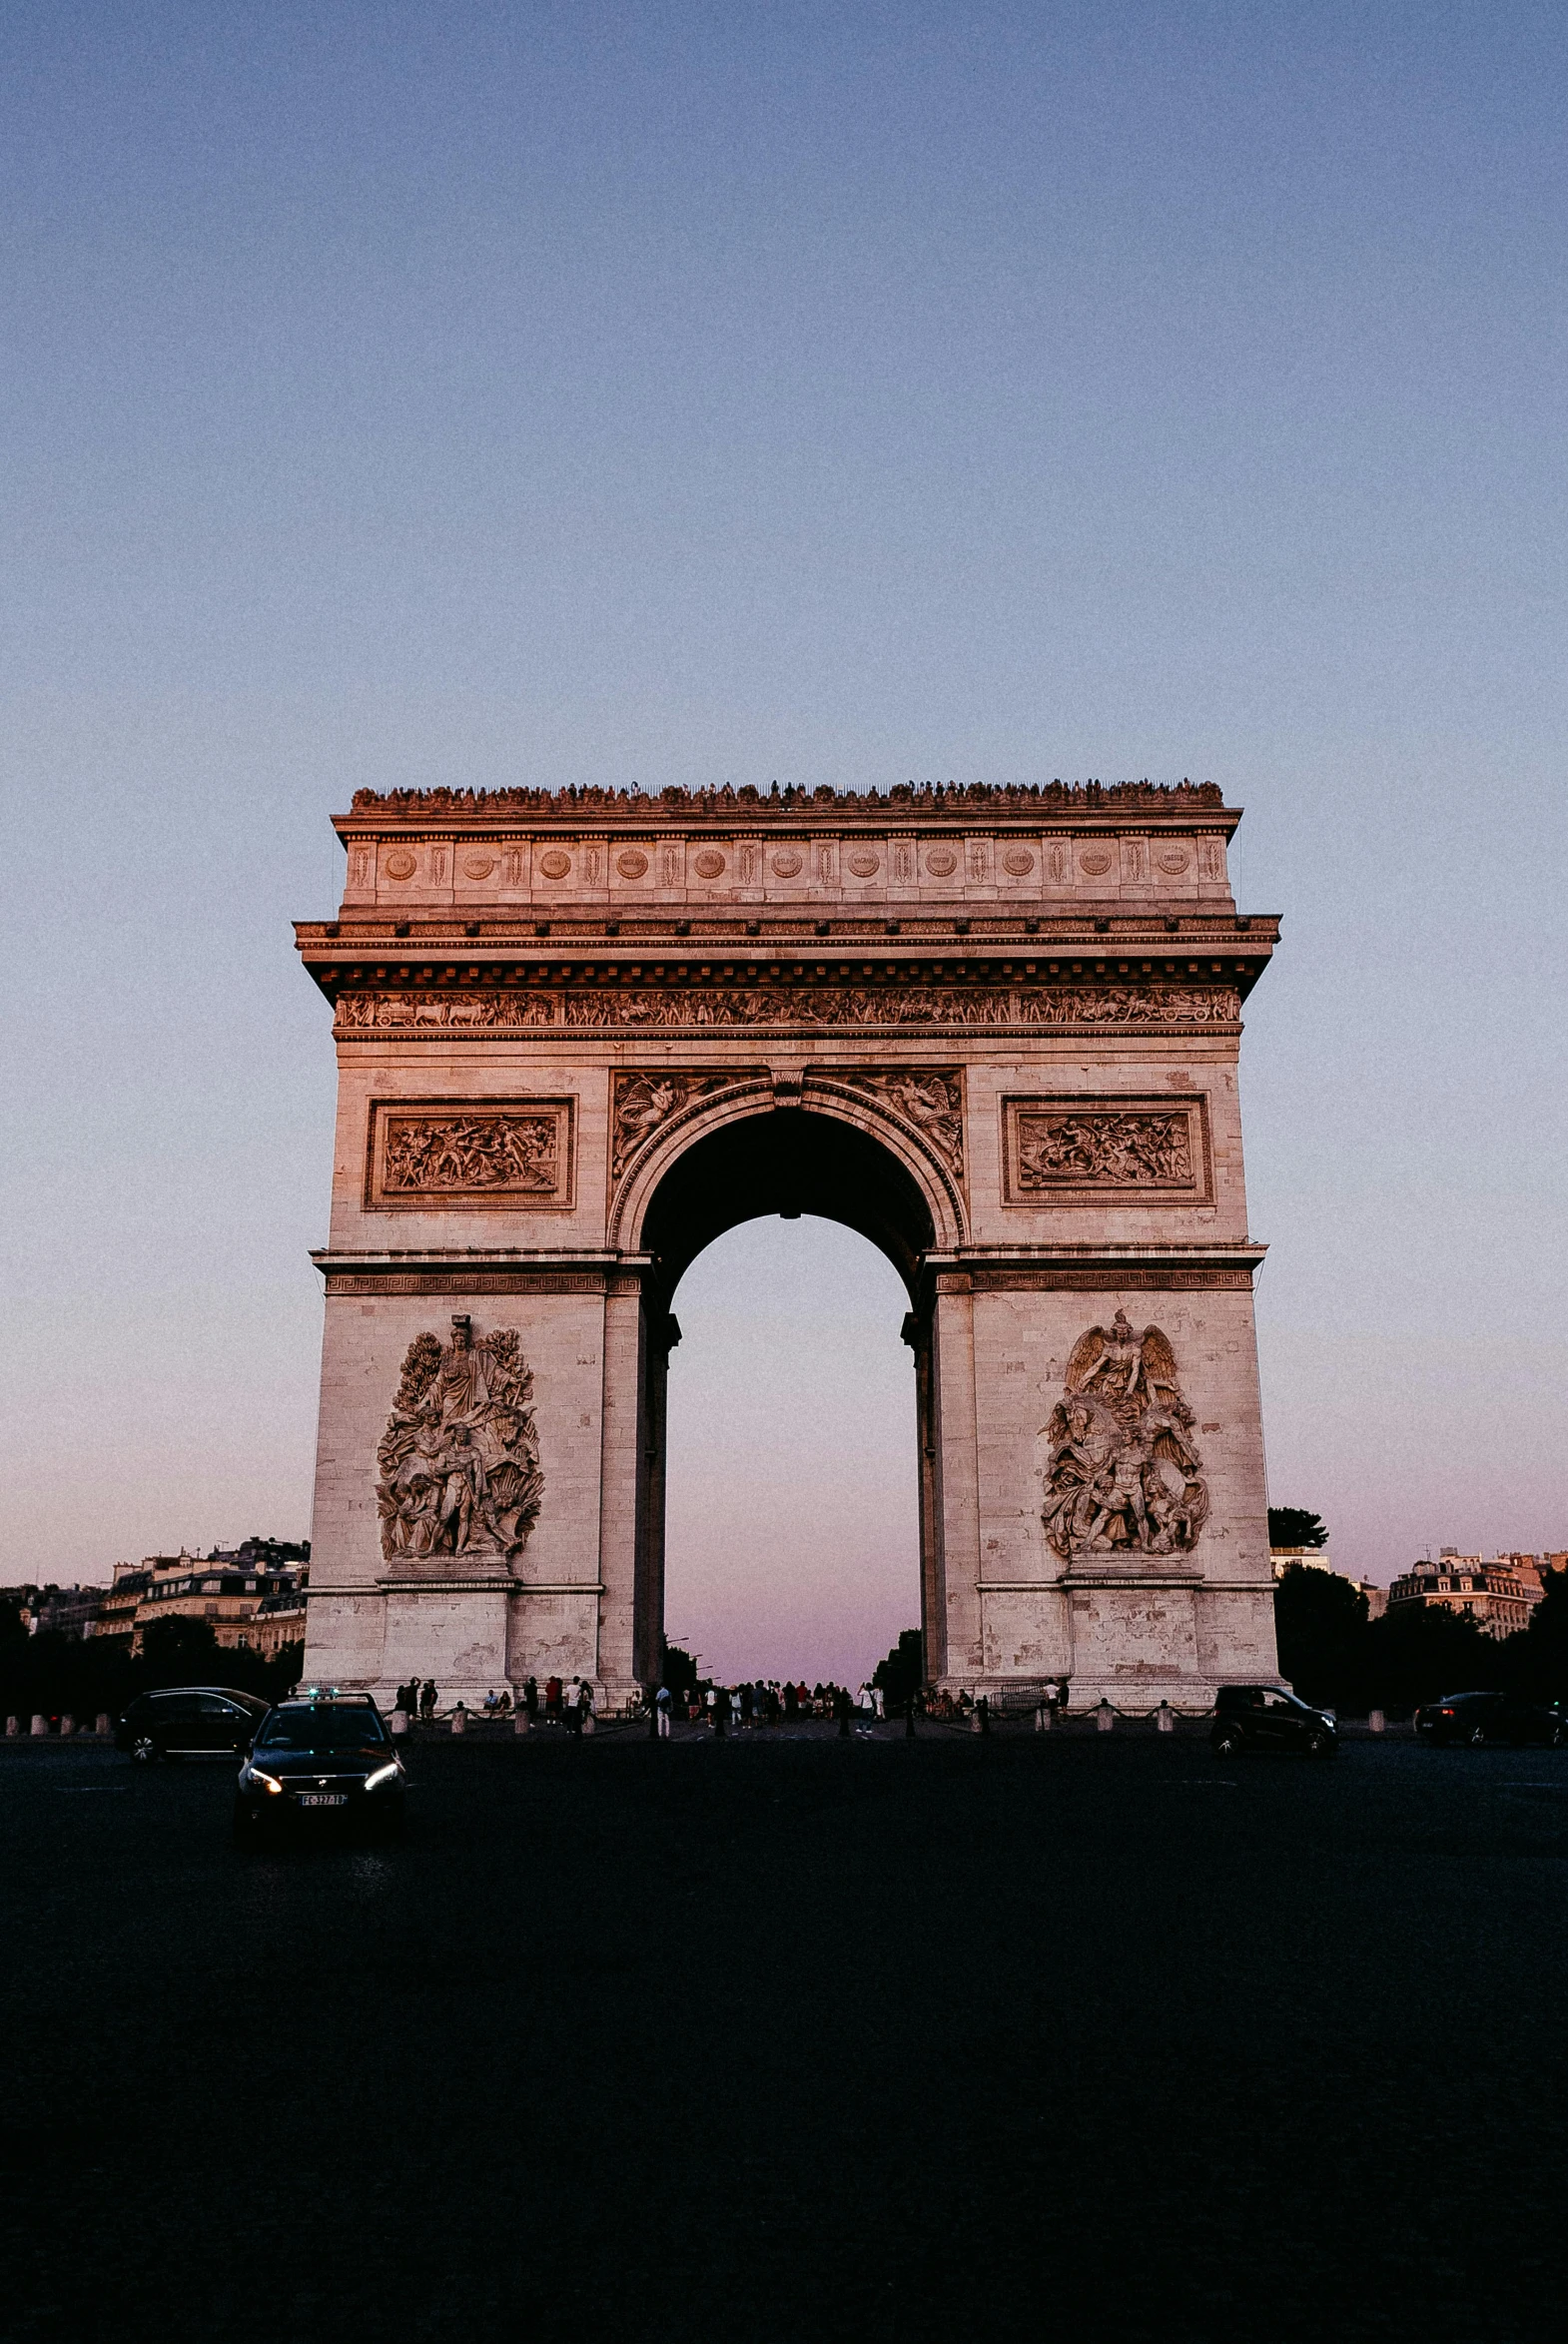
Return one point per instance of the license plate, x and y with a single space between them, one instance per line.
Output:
323 1799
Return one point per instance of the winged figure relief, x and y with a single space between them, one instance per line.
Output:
1123 1475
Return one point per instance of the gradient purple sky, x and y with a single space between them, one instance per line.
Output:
489 394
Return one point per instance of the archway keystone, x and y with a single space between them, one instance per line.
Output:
579 1036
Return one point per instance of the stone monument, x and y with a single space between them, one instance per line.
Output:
581 1034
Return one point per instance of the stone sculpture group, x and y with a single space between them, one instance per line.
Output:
459 1460
1123 1471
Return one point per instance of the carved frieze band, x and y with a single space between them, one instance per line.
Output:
698 1007
443 1154
1071 1149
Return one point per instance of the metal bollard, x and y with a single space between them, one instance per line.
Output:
398 1722
588 1721
40 1724
1104 1718
460 1720
67 1726
521 1722
1164 1718
1376 1723
102 1725
13 1725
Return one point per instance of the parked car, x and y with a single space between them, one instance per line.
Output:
1265 1717
320 1757
189 1721
1479 1718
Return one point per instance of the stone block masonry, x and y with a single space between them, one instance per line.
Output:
580 1034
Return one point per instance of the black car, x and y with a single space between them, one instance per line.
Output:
189 1721
1267 1717
325 1756
1479 1718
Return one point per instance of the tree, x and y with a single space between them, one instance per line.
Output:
179 1652
1295 1526
1538 1658
1320 1621
901 1676
677 1669
1420 1651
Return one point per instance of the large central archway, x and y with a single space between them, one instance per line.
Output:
789 1161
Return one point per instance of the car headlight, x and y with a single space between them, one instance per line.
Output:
253 1776
381 1777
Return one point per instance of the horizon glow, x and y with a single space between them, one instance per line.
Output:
517 394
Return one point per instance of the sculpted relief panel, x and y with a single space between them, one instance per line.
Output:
728 1006
929 1100
1124 1479
460 1471
515 1153
1076 1150
644 1103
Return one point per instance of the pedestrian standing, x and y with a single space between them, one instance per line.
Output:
842 1707
663 1703
570 1712
720 1713
530 1699
428 1700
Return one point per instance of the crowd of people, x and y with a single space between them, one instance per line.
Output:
561 1702
722 1709
766 1702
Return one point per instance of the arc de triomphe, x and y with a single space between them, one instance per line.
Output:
580 1036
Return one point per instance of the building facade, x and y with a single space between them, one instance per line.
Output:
995 1031
234 1593
1498 1595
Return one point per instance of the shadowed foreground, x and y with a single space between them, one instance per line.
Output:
790 2038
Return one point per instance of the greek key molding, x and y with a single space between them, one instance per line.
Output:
458 1282
1111 1278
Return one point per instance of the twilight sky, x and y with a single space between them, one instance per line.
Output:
475 393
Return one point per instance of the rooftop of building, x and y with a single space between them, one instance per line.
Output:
928 800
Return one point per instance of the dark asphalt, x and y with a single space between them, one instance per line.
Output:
1039 2035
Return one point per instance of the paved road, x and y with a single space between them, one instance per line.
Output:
1040 2035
